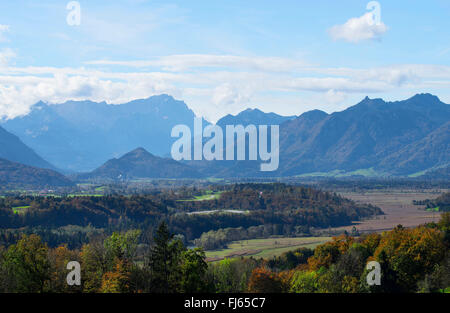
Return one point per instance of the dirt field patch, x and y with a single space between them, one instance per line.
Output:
397 206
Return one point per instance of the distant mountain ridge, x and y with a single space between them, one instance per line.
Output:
374 136
255 117
13 149
368 135
81 135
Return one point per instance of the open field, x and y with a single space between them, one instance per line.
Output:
264 248
20 209
209 195
398 207
219 211
84 195
365 172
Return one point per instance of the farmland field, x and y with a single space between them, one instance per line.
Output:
264 248
397 206
209 195
20 209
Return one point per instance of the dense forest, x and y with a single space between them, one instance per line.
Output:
411 260
261 209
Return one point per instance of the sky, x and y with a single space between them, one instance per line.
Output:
222 57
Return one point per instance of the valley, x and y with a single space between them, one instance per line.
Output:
397 205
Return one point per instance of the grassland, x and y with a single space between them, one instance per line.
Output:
220 211
264 248
365 172
84 195
208 195
20 209
100 189
436 209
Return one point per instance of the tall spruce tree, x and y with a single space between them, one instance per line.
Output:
165 261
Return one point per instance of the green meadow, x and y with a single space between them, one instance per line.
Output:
208 195
265 248
20 209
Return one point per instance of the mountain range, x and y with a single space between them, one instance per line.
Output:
399 138
372 138
80 135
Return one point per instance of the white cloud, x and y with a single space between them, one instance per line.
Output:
3 29
335 97
229 98
358 29
5 56
212 86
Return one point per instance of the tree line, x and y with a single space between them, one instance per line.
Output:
442 202
280 209
411 260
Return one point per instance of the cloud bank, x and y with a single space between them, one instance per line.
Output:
212 85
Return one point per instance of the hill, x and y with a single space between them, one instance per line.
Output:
15 174
139 163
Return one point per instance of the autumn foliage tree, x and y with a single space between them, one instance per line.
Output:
117 280
59 257
264 280
328 253
26 265
411 253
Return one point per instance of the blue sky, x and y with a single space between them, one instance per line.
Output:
223 56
